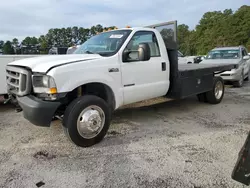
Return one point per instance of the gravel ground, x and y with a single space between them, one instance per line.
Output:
170 144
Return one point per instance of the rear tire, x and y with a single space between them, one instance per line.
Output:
86 120
216 94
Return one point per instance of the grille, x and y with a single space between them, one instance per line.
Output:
18 80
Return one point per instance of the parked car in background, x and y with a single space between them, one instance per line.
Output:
185 59
226 55
199 58
72 49
58 50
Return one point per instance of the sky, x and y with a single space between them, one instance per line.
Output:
21 18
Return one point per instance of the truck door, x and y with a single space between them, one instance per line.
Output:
143 80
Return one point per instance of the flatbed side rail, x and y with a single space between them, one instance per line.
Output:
191 70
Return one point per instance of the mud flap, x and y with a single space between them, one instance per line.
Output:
241 171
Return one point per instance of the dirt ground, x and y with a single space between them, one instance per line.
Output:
170 144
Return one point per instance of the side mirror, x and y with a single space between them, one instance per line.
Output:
143 52
246 57
125 56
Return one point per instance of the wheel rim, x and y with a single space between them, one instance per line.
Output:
90 122
218 91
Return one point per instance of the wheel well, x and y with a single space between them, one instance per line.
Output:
98 89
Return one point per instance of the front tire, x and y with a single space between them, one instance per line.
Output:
248 75
86 120
239 83
216 94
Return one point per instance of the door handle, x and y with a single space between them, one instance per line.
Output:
163 66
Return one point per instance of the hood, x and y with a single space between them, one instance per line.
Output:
45 62
218 61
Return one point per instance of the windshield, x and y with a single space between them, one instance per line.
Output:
223 54
105 44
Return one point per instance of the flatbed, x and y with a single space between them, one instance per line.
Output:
193 79
187 70
213 67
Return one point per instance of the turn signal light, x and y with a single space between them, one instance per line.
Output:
53 90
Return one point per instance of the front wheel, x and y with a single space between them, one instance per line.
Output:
239 83
216 94
86 120
248 75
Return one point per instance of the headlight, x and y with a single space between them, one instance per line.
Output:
44 84
233 71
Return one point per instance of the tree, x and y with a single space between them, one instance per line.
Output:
84 34
8 48
216 28
183 38
26 41
55 37
43 44
75 35
66 37
1 44
34 41
15 42
96 29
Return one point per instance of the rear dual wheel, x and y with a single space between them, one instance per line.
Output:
216 94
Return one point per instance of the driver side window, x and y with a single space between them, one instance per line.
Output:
143 37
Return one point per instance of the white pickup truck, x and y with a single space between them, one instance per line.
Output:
108 71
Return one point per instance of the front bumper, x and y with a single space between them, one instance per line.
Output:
37 111
230 76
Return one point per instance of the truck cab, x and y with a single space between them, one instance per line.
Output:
108 71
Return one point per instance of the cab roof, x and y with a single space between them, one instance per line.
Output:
134 29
